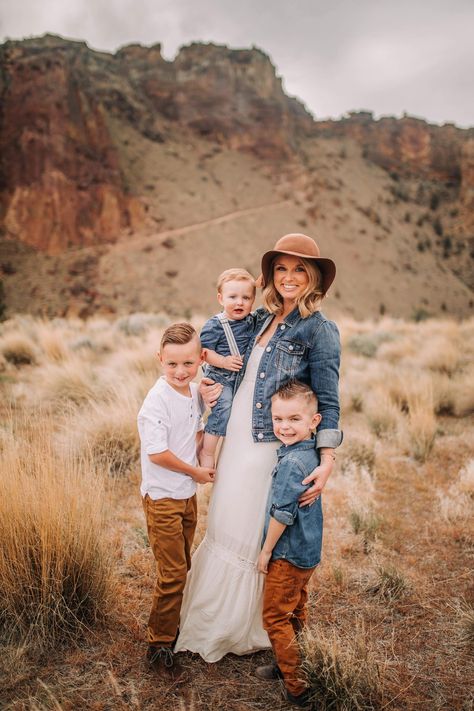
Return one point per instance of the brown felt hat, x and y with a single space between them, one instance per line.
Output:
298 245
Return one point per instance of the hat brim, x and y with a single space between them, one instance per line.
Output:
326 266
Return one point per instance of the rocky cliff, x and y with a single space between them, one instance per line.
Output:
100 148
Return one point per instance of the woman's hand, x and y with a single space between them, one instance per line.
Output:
319 476
210 391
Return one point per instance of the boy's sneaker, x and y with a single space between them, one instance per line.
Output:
302 700
163 661
269 672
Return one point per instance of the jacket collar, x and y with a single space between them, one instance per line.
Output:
285 449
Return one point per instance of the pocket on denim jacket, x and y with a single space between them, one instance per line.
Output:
288 358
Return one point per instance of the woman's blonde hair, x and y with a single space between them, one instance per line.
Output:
309 301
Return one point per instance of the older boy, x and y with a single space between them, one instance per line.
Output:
170 428
292 536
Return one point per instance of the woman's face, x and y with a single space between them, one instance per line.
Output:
289 277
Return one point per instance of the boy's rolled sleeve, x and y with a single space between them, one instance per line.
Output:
287 490
154 427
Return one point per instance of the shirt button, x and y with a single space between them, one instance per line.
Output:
260 436
282 327
290 348
262 375
268 349
258 405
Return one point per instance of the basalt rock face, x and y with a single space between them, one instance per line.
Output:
61 170
60 178
60 181
409 146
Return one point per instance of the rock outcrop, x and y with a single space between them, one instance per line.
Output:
60 180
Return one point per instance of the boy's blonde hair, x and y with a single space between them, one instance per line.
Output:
234 274
295 388
179 334
309 301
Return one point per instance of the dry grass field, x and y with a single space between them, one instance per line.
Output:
392 606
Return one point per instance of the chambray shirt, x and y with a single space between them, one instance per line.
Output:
307 349
300 542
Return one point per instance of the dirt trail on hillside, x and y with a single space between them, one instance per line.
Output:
229 216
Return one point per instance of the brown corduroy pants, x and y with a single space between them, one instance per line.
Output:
171 524
284 615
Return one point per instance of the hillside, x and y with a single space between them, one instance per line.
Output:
127 183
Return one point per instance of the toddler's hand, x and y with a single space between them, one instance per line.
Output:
203 475
262 562
234 363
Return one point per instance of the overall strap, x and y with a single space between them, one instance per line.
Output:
228 334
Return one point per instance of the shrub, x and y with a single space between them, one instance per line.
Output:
55 567
139 323
366 344
342 672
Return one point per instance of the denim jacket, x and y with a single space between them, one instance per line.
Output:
307 349
300 542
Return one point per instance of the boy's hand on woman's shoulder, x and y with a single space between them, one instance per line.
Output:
203 475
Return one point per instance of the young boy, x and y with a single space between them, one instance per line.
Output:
170 427
292 536
225 338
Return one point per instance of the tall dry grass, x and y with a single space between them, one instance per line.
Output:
56 571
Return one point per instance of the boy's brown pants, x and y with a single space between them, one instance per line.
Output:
284 615
171 524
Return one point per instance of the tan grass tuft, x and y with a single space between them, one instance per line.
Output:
388 584
383 416
52 343
457 504
73 381
108 431
342 672
18 349
55 566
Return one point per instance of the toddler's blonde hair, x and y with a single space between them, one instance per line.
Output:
234 274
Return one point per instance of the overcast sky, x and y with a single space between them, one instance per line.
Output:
388 56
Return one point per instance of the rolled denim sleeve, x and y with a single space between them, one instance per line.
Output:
211 333
324 360
286 491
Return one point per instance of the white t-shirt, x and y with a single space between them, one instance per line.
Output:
169 420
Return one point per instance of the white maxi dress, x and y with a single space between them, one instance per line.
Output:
222 605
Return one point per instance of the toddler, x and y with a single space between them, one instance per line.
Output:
225 338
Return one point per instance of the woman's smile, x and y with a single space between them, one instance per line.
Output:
290 277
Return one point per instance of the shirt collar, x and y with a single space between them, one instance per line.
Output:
285 449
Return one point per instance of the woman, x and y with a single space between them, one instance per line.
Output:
221 610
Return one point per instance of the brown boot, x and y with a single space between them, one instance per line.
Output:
164 662
269 672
